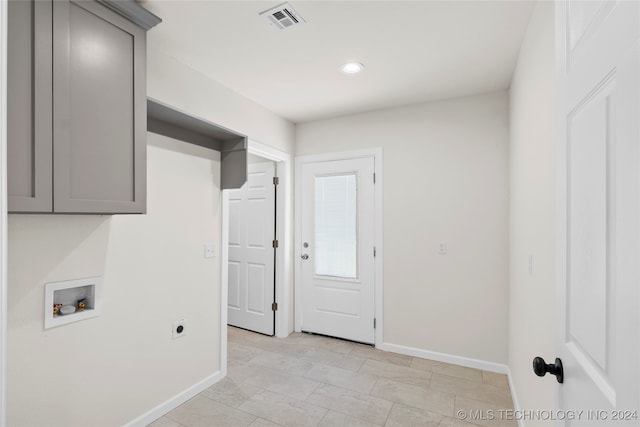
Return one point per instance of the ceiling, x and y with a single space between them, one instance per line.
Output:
413 51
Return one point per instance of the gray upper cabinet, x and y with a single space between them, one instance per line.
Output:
99 110
91 152
29 116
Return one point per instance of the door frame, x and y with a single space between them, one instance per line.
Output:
376 154
283 235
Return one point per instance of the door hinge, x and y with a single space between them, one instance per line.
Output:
374 178
274 306
274 244
374 251
276 180
374 323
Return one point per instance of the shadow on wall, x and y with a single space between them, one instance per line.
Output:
190 150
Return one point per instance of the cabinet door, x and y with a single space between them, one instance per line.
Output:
99 113
29 106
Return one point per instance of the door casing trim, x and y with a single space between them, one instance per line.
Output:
376 154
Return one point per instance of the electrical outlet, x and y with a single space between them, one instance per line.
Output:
209 250
442 248
179 328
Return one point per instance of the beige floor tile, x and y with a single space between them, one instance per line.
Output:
453 422
415 396
283 410
230 393
261 422
287 364
358 405
339 360
243 336
327 343
447 369
336 419
164 422
239 372
407 416
344 383
203 412
497 396
482 413
395 372
362 383
297 337
370 352
280 382
282 346
241 353
493 378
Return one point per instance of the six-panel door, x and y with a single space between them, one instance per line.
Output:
598 211
251 254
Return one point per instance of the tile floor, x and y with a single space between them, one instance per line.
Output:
310 380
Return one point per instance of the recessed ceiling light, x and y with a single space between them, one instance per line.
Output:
352 67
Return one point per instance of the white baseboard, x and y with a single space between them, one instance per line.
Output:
447 358
514 398
177 400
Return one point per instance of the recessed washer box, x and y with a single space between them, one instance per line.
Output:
69 292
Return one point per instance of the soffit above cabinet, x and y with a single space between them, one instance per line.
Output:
165 120
135 13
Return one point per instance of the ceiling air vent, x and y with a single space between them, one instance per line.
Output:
283 16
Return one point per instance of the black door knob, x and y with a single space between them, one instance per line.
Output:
540 367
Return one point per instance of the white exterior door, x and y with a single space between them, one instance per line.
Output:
598 217
337 226
251 252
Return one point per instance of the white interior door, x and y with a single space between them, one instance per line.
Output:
337 225
598 217
251 252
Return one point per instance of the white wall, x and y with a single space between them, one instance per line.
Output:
187 89
111 369
445 179
532 207
183 87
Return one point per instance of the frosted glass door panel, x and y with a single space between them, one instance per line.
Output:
336 226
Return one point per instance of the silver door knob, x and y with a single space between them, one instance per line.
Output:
305 256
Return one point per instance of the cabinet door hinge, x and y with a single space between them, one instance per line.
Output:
276 180
374 178
274 306
374 251
374 323
274 244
